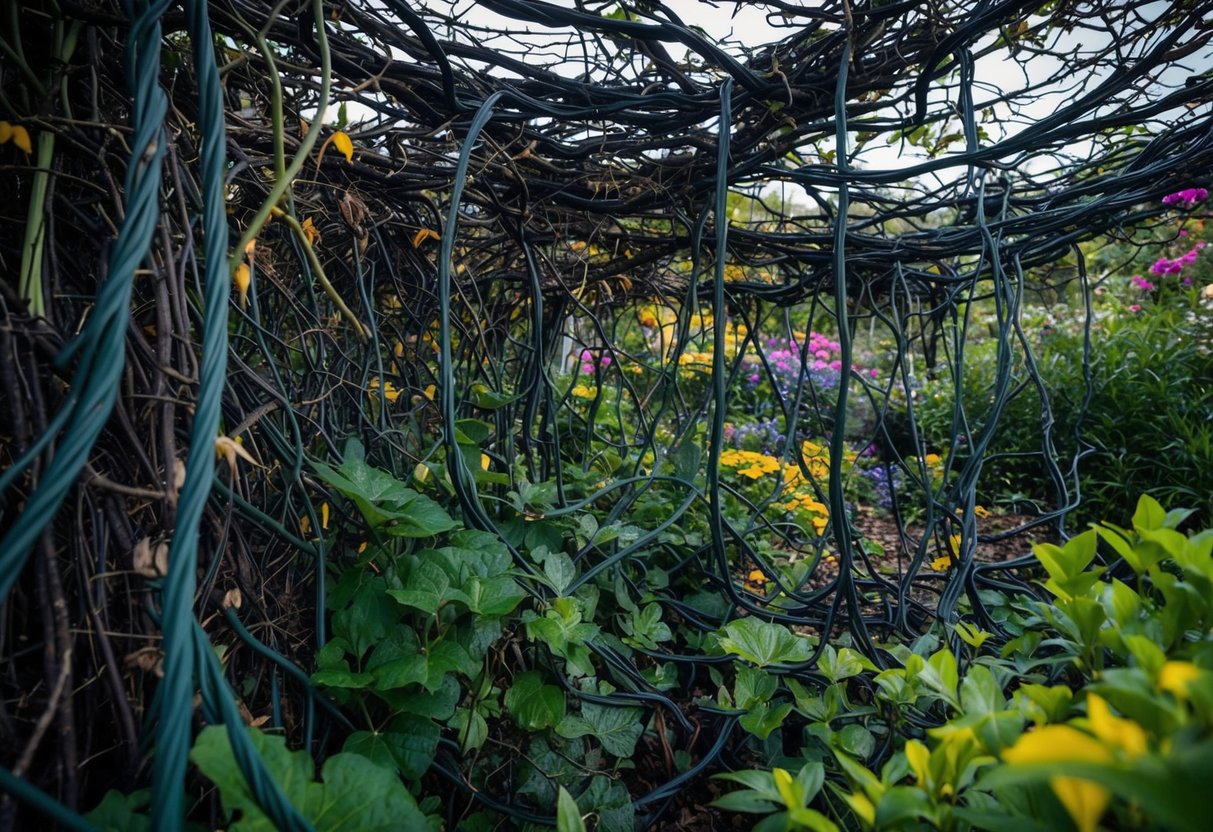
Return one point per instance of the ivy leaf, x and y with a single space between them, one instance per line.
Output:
492 596
610 801
428 669
120 812
410 749
764 643
427 588
356 795
765 718
617 729
532 704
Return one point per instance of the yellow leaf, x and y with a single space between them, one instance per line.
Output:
229 449
6 131
242 278
1124 734
431 391
305 525
324 515
783 783
485 461
919 757
342 142
425 234
1175 676
1084 800
21 138
1057 744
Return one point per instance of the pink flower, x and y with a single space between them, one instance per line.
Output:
587 368
1135 307
1187 197
874 373
605 362
1183 232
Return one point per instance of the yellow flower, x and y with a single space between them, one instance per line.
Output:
1176 676
310 232
242 277
1124 734
942 563
954 545
981 511
485 462
1057 744
581 391
389 390
1084 800
932 460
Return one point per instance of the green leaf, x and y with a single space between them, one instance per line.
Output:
428 669
764 718
764 643
610 801
356 795
753 687
427 588
410 750
568 816
342 679
616 728
118 812
1149 515
492 596
533 704
856 740
560 571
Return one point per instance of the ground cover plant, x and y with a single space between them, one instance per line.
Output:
507 415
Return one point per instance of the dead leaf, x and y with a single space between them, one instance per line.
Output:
232 599
147 659
425 234
229 449
150 560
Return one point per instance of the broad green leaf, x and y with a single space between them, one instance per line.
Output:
427 588
610 802
764 643
492 596
427 668
533 704
1149 515
410 749
560 571
355 796
753 686
616 728
764 718
118 812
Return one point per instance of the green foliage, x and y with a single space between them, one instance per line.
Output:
355 794
1124 741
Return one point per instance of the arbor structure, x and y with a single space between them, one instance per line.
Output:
286 224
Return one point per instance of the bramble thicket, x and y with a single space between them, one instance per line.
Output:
606 415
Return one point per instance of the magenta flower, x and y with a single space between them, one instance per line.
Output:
1135 307
1141 283
1186 198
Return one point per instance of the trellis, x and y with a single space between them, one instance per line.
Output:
510 189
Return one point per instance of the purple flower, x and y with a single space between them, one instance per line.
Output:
1187 197
1141 283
